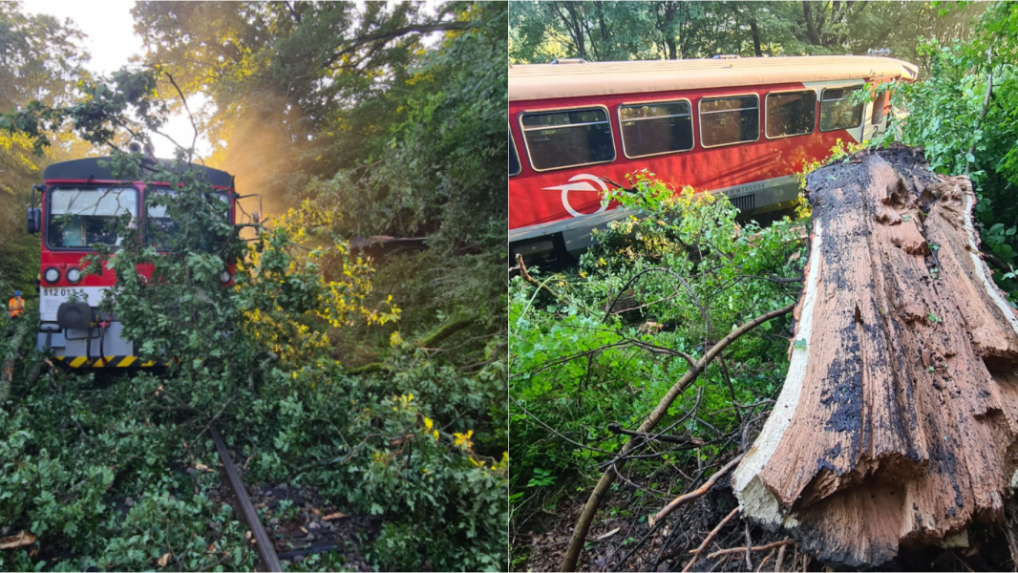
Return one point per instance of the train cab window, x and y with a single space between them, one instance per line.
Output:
514 158
656 128
568 138
161 231
791 113
78 218
729 120
837 111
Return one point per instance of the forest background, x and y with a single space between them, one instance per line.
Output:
594 349
384 397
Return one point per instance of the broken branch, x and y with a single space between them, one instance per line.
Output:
710 537
686 498
583 525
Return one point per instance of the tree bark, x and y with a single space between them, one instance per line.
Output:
898 418
755 31
811 30
7 371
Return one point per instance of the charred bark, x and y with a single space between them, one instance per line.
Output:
898 421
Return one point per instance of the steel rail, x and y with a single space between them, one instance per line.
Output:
264 545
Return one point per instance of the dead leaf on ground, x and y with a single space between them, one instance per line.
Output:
14 541
337 515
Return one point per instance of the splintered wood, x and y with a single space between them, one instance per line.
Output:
898 419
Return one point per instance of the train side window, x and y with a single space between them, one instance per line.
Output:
837 110
791 113
878 109
568 138
729 120
514 158
656 128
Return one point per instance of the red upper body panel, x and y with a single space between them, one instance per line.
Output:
537 197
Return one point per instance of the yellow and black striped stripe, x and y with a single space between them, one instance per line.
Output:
107 362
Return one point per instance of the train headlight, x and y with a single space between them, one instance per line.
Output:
224 277
51 275
74 275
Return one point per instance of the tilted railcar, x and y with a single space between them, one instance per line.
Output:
741 127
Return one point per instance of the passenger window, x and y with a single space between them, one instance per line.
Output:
568 138
514 158
837 110
656 128
729 120
791 113
878 109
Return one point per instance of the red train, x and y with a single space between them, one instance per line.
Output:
80 202
742 127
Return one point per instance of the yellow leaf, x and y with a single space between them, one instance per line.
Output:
164 560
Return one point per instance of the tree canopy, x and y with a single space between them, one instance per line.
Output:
39 60
392 110
542 31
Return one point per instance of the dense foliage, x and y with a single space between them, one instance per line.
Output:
39 60
603 345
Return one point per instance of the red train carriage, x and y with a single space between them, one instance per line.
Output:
742 127
80 203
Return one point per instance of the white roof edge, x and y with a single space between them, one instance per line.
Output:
547 81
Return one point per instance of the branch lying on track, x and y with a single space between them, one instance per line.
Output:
710 537
668 509
733 550
583 525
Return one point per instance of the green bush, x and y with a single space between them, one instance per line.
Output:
603 344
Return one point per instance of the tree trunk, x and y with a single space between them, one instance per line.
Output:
755 31
811 31
7 371
898 419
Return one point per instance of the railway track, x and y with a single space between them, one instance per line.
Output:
266 551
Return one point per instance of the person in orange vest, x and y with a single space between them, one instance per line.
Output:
16 307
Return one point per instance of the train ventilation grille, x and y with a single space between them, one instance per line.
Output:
745 203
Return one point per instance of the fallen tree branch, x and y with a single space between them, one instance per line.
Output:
617 428
686 498
735 550
710 537
445 331
583 525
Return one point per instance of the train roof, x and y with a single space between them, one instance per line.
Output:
89 168
547 81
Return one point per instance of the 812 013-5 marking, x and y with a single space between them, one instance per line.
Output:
64 292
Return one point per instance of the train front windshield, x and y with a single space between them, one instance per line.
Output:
162 231
78 218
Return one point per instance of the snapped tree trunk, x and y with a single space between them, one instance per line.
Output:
898 421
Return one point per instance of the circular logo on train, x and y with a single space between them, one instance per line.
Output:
582 182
